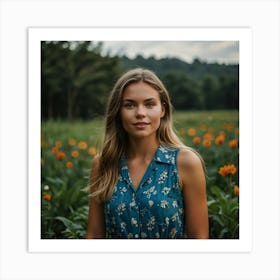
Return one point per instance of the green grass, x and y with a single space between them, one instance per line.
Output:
209 118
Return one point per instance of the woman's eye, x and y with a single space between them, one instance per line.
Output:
128 105
150 105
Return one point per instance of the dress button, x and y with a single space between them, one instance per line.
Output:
136 235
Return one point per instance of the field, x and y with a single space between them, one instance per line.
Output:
67 149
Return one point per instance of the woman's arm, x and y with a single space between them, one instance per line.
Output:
193 184
96 220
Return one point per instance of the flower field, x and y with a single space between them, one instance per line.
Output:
67 150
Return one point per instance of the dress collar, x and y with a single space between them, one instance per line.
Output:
164 154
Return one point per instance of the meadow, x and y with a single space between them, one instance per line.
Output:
67 149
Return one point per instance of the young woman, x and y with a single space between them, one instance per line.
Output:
145 183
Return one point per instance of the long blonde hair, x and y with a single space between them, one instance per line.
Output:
115 139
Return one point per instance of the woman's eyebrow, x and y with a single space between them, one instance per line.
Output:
145 100
128 100
150 99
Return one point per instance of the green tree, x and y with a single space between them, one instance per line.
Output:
210 92
76 79
184 92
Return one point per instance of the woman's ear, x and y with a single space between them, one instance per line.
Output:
162 109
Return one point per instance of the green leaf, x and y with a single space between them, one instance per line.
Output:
69 224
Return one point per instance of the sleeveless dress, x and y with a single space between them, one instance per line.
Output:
153 210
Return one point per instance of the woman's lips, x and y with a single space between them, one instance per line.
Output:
140 124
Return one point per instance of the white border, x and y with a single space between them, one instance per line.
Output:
243 35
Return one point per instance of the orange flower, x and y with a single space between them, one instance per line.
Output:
233 143
227 169
208 136
61 155
206 142
75 154
236 190
220 139
228 126
191 131
47 197
69 164
92 151
55 149
196 140
72 141
82 145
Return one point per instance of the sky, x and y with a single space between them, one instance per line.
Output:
207 51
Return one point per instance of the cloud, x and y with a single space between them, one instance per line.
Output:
209 51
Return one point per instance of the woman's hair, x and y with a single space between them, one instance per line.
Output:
116 139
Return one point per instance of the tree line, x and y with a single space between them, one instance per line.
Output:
76 80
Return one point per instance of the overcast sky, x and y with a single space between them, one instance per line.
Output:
208 51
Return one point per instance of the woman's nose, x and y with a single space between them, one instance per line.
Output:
140 111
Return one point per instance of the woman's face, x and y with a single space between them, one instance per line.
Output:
141 110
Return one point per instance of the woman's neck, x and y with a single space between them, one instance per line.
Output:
141 148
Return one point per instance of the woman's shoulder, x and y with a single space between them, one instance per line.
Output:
191 168
188 158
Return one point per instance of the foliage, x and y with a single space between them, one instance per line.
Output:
223 213
197 85
76 79
67 149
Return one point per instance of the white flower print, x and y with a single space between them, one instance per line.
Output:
168 157
144 235
164 204
172 160
166 190
172 233
123 226
167 221
123 190
175 204
149 181
151 223
151 203
132 204
149 192
162 149
121 208
134 222
162 177
175 217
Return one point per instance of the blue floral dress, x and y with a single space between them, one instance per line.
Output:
153 210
